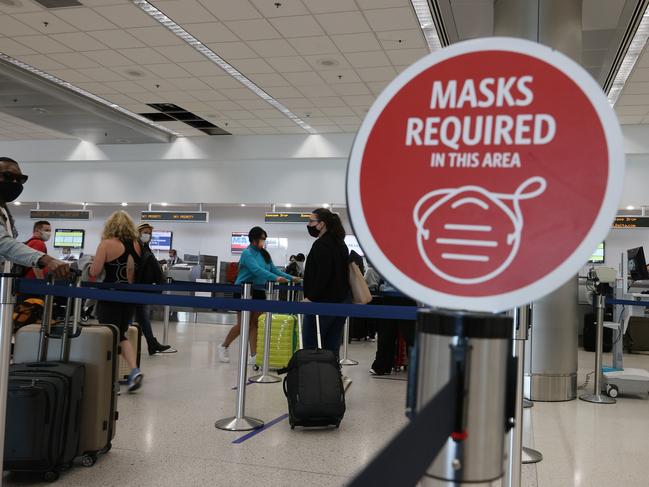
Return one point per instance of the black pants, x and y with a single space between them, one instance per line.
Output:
387 332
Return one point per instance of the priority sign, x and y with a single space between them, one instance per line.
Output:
485 174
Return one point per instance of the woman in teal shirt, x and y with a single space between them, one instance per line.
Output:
255 267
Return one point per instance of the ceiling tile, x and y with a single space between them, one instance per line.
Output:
367 4
351 120
314 45
407 39
203 68
284 92
253 66
185 11
10 27
320 121
639 74
135 73
44 22
256 105
272 48
632 109
237 114
377 86
84 19
144 55
181 54
79 41
101 74
327 101
126 16
168 70
356 42
232 50
116 39
222 82
319 6
300 26
340 76
126 87
338 111
42 44
304 78
177 97
211 32
391 18
296 102
350 129
101 3
329 129
359 100
286 8
97 88
253 123
70 75
293 129
238 93
229 10
266 131
162 84
626 120
384 73
289 64
406 56
317 90
323 62
267 114
73 60
343 23
13 48
225 105
361 111
155 35
350 89
638 88
369 59
631 100
252 30
270 80
111 58
279 122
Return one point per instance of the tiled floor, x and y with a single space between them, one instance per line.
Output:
166 434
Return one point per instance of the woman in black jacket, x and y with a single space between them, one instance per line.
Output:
326 278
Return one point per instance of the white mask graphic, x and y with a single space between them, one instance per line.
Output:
469 235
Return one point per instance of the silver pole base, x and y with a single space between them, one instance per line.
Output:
597 399
239 424
527 403
529 455
348 361
265 379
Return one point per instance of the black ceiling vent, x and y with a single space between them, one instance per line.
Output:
168 112
59 3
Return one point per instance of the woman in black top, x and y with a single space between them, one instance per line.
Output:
326 278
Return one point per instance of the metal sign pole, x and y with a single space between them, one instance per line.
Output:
346 360
7 301
266 377
240 422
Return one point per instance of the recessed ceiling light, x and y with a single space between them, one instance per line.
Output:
426 23
219 61
288 205
124 203
163 204
325 205
17 203
630 207
243 204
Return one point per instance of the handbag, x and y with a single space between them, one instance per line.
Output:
360 292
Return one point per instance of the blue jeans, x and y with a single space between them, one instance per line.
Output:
142 317
331 330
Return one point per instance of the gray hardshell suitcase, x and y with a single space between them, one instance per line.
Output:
96 346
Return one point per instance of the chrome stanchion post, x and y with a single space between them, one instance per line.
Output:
266 377
7 301
165 323
346 360
300 341
527 403
597 396
240 422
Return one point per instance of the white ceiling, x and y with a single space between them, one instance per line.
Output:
632 106
113 49
12 128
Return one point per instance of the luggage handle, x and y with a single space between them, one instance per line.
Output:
48 305
72 314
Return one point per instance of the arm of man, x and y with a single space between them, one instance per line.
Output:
38 244
18 252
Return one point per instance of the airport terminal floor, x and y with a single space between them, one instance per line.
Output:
166 435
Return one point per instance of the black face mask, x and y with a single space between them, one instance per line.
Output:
10 190
313 231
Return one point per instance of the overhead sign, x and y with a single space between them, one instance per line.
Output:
287 217
631 222
59 214
485 174
175 216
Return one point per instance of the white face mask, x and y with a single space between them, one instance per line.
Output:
45 236
145 237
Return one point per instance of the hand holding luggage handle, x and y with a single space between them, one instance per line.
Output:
266 377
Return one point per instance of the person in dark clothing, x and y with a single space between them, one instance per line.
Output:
326 278
296 265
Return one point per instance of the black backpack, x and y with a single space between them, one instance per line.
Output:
147 269
314 389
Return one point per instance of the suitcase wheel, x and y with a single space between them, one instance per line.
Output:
88 460
51 476
255 367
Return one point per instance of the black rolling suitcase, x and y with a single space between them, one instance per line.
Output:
314 388
43 411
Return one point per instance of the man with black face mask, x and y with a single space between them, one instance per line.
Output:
12 251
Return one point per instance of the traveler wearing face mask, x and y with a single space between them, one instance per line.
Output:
143 311
296 265
255 267
12 251
173 258
41 233
326 278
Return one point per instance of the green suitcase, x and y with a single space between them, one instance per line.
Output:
283 340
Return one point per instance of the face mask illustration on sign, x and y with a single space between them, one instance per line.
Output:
456 244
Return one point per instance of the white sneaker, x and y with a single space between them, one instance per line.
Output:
224 354
252 359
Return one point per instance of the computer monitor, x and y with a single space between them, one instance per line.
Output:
598 256
161 240
637 264
239 242
69 238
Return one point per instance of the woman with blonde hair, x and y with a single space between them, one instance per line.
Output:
118 255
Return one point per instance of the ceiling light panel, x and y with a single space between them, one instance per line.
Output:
219 61
425 18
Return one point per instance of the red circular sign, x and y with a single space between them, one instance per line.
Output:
489 170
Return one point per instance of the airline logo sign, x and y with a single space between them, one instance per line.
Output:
484 175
